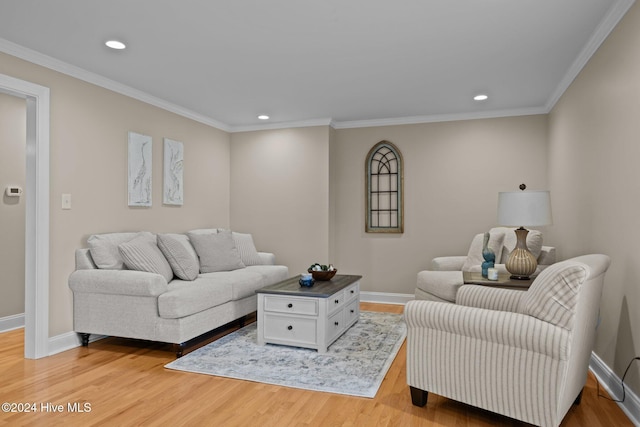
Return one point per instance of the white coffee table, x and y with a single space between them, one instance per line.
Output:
309 317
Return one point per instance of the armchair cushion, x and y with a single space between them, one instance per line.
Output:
553 294
442 284
474 256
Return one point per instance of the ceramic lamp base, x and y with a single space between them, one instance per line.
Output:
521 263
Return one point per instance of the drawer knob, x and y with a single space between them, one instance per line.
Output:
352 291
289 327
336 323
289 305
353 311
337 301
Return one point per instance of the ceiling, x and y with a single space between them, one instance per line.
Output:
346 62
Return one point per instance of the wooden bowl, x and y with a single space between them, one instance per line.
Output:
323 276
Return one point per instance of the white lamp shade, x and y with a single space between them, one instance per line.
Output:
524 208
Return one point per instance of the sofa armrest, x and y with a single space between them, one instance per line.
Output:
448 263
489 298
267 258
117 282
470 324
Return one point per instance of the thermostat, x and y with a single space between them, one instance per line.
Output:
14 191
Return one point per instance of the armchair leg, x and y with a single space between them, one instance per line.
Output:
418 397
579 398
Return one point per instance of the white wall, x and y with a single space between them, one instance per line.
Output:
280 193
594 137
453 172
88 143
13 127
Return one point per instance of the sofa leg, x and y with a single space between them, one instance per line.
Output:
85 339
578 399
179 349
418 397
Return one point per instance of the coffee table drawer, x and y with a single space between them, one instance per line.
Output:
352 312
290 330
293 305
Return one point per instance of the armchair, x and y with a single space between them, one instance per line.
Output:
520 354
444 277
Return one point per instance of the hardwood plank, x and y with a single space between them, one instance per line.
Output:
125 383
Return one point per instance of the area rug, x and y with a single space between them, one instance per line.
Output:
355 364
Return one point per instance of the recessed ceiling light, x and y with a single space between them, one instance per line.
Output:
115 44
481 97
263 117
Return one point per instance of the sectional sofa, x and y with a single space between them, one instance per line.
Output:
169 288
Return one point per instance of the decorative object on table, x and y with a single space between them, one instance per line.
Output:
384 189
139 169
523 208
173 190
355 364
306 279
488 254
322 272
492 274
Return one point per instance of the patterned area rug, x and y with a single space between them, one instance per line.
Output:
355 364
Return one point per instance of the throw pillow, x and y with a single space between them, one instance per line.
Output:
474 256
553 295
143 254
104 249
217 252
180 254
246 248
534 242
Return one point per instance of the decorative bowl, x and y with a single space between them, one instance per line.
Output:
322 275
306 283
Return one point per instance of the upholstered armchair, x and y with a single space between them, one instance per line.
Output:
444 277
520 354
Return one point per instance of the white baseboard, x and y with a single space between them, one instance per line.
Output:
386 297
10 323
67 341
613 385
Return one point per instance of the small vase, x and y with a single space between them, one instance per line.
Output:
488 255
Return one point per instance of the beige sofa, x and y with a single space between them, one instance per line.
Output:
168 287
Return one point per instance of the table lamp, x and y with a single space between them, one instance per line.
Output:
520 209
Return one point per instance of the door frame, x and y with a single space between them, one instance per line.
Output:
36 335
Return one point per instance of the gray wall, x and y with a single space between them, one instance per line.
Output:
13 126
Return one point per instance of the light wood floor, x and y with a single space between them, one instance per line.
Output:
125 384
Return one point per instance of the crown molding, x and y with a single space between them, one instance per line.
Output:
606 26
489 114
46 61
282 125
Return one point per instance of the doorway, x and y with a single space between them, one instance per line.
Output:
36 332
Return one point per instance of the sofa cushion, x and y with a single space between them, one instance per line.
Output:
185 298
246 248
104 249
474 256
270 273
534 242
553 295
217 252
142 254
243 282
180 254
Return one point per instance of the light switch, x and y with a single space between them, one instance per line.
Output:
66 201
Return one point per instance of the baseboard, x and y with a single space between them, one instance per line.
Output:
386 297
67 341
10 323
613 385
